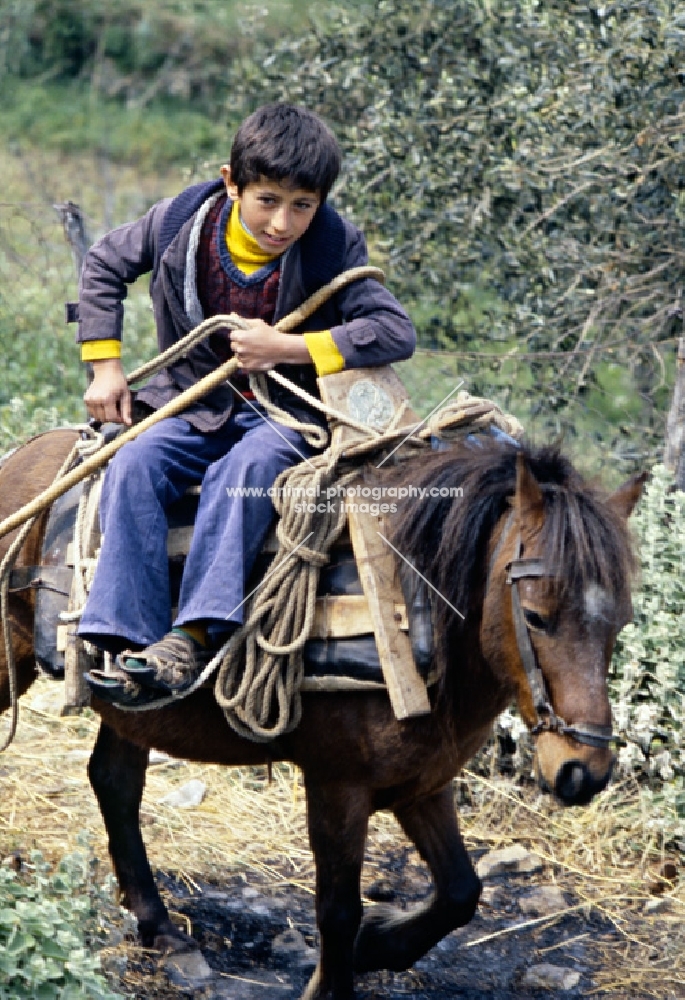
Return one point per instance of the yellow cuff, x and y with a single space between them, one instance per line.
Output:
324 351
100 350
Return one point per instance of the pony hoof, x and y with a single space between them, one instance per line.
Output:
317 990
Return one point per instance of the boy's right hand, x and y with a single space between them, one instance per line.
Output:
108 397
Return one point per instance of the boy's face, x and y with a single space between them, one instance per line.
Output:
276 213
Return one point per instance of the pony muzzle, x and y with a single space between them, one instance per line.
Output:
574 773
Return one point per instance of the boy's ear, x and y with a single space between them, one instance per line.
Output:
231 189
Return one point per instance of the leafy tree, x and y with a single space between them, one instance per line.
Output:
519 166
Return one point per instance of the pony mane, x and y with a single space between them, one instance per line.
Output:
583 540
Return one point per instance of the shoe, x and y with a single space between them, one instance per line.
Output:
169 666
118 689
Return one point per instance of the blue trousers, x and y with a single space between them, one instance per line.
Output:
130 600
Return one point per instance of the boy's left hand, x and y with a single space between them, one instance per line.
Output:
262 347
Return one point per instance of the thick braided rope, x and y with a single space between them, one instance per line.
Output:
259 680
262 666
466 414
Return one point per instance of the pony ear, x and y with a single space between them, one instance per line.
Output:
623 501
528 500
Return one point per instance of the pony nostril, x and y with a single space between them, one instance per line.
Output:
574 784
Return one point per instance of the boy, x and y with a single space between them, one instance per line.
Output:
257 242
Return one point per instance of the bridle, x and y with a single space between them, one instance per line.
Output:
547 720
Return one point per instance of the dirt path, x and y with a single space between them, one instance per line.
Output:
253 916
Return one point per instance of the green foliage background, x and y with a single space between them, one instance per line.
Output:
648 686
517 167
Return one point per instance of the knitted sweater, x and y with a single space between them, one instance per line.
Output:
366 324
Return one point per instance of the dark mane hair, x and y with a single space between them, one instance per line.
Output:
284 142
584 540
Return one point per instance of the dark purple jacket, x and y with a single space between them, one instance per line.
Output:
368 325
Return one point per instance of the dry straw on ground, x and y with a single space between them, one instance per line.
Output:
606 857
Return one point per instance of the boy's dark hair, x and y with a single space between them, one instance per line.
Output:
285 142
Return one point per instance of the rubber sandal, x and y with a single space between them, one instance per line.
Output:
118 690
170 666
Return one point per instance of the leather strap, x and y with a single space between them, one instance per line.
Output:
57 578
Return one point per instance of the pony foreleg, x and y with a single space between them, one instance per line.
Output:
392 939
117 775
338 821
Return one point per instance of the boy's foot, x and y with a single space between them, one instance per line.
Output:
169 666
116 688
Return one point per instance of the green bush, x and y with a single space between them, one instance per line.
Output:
43 380
648 679
135 49
518 168
50 922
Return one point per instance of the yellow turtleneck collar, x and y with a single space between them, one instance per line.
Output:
246 253
248 256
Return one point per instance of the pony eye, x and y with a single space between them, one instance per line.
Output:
535 621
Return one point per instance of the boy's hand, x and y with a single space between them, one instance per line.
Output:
261 347
108 397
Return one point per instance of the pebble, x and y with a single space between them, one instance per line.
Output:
543 900
514 859
188 970
493 896
660 905
159 758
187 796
114 964
291 945
551 977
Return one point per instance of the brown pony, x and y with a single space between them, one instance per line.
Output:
536 561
